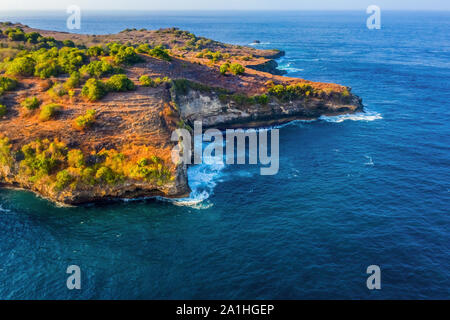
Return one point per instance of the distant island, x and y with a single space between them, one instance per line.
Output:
86 118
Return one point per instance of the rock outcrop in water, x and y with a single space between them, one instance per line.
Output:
104 132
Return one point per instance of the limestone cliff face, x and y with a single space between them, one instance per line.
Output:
213 112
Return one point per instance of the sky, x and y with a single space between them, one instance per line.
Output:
225 4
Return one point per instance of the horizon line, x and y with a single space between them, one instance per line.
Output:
222 10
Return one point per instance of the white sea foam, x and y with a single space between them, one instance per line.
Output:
288 67
369 162
297 123
202 179
291 69
258 44
3 210
360 116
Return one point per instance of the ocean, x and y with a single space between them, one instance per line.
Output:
352 191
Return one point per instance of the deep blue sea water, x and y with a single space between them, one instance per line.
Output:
351 192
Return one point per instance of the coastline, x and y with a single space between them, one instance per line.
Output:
193 88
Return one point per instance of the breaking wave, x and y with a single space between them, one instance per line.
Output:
202 179
287 66
360 116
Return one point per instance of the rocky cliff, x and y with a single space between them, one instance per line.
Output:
89 118
213 111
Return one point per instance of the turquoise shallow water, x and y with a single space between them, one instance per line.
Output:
351 191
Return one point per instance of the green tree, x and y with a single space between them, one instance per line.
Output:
95 51
94 90
63 179
47 69
21 66
73 81
97 69
120 82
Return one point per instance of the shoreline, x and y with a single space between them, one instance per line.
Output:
183 81
165 198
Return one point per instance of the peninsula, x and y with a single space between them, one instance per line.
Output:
86 118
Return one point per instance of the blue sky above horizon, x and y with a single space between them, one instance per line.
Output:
224 5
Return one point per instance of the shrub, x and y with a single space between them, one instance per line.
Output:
97 69
160 52
120 82
146 81
149 82
224 68
63 179
262 99
277 90
113 48
5 152
88 176
49 111
7 84
85 121
73 81
237 69
143 48
31 103
242 99
124 55
291 92
345 93
94 90
106 175
57 91
43 55
41 158
95 51
3 110
32 37
150 169
47 69
158 80
75 158
214 56
21 66
68 43
71 59
16 34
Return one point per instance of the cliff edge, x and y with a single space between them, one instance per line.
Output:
88 118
